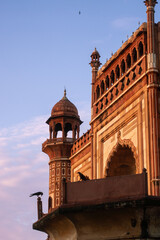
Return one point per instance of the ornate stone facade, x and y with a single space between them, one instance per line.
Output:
119 154
125 93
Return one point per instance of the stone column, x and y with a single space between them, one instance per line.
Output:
152 98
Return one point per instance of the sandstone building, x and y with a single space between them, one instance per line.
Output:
121 200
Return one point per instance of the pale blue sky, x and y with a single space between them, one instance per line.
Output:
45 45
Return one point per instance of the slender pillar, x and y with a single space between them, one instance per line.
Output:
152 98
50 132
39 207
95 64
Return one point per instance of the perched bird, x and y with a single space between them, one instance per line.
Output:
82 177
36 194
79 12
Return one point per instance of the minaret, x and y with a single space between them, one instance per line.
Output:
152 71
95 64
64 120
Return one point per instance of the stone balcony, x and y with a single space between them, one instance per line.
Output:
57 140
104 209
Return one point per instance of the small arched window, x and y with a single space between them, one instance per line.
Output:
102 87
68 130
134 55
123 69
117 72
58 130
112 77
97 92
128 60
107 82
140 49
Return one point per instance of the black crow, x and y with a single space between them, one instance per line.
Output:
82 177
36 194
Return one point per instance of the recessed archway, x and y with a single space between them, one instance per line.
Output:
122 162
123 159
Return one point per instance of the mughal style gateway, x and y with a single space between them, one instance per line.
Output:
120 154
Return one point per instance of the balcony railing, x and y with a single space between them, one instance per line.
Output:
81 142
57 140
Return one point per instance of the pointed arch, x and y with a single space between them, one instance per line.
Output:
128 60
117 72
134 55
97 92
107 83
123 159
112 77
58 130
68 129
123 68
140 49
102 87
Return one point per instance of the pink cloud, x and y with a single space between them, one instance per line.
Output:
24 170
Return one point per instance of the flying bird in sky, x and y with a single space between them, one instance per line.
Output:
36 194
79 12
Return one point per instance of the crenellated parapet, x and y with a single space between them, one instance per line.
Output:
81 142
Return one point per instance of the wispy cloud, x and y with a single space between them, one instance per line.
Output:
23 170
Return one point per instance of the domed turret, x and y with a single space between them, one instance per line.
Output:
64 126
64 117
95 56
64 108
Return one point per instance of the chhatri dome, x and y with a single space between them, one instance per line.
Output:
64 108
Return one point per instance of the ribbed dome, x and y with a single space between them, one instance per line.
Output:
64 107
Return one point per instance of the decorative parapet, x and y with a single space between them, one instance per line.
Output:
81 142
56 140
120 86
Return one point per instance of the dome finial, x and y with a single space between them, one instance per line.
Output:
64 92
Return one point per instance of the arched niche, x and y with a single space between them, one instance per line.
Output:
97 92
140 49
107 82
122 160
128 60
123 68
102 87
